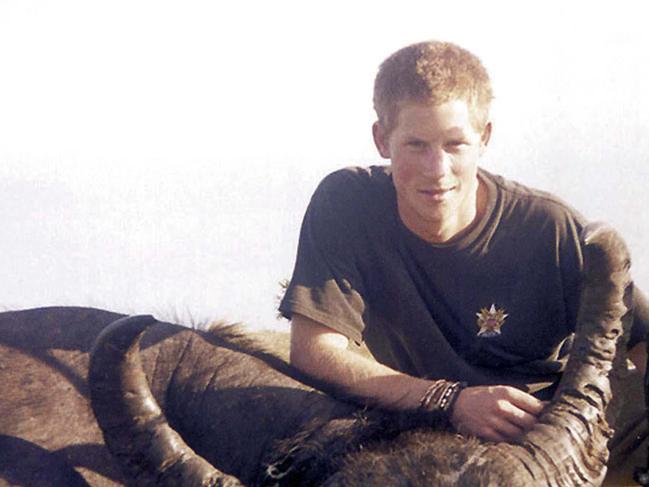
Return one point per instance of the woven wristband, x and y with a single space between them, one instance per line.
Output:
441 396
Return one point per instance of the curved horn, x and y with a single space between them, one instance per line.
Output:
134 427
569 443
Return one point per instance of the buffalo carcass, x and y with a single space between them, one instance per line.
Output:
253 423
343 446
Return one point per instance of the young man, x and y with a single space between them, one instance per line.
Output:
463 285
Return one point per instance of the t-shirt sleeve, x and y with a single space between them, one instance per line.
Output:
326 285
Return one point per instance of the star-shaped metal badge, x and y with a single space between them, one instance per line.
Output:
490 320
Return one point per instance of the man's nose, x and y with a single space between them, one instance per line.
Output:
436 163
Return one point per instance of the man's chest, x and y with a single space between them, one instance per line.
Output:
500 311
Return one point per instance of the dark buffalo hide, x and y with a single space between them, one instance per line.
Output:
255 419
48 433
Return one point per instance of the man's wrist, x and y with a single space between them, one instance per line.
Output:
440 396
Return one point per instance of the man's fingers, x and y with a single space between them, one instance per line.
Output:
507 430
518 417
525 401
495 413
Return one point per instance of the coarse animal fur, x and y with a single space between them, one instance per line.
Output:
231 413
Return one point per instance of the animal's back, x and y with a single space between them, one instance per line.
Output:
47 429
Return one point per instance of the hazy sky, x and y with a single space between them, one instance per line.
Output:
157 156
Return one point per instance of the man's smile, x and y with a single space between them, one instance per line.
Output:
436 194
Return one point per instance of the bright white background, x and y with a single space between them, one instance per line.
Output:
157 156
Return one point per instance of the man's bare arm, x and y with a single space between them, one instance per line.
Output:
322 352
497 413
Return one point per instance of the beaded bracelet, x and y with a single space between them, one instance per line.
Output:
441 396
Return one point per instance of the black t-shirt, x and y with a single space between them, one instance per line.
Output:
496 306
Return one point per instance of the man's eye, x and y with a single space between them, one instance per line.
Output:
456 144
416 144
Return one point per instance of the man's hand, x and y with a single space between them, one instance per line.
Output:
495 413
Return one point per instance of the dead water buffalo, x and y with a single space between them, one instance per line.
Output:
48 433
232 415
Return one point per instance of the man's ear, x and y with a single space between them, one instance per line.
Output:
485 137
381 140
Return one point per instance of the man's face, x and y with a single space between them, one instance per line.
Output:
434 152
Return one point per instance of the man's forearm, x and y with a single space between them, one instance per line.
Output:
496 413
324 356
365 378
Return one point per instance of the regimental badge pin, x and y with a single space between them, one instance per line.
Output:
490 320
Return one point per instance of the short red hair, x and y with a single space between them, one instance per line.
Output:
432 72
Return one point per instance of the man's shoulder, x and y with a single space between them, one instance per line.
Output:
356 200
364 189
359 177
532 202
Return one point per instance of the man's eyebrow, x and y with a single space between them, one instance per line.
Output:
457 132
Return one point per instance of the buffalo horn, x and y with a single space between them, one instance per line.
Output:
568 446
135 429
